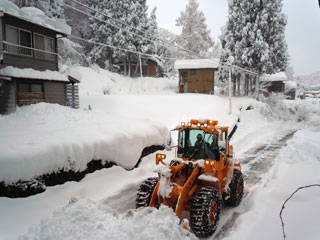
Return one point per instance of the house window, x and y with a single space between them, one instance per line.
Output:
46 46
193 72
36 88
19 41
30 87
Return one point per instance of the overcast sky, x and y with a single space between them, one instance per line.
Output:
302 32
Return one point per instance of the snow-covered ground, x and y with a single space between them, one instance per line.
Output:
297 165
121 106
68 139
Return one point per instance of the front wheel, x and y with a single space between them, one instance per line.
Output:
145 192
235 194
205 211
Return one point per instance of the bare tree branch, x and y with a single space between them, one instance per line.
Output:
282 208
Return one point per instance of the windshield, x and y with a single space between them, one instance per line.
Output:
188 137
196 143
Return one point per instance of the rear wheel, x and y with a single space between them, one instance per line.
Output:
145 192
236 186
205 211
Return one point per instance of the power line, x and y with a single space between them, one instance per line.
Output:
125 24
108 16
118 48
120 28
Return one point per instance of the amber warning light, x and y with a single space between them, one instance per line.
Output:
193 121
212 122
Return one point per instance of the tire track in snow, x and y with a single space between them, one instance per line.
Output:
257 163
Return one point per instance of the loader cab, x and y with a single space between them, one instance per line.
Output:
190 147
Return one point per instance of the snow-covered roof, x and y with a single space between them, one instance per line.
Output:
291 85
34 74
196 63
281 76
34 15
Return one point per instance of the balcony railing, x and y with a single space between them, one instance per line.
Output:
27 51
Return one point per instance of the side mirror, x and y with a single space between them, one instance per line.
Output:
159 158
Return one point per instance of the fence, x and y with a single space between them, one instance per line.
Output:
28 51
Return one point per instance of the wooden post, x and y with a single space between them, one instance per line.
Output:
238 84
257 86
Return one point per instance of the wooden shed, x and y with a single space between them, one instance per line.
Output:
196 75
278 83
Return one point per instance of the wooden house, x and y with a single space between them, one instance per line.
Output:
196 75
278 83
151 67
29 60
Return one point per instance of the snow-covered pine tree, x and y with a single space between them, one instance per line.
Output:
168 50
159 46
152 32
102 32
195 35
254 36
138 19
133 13
56 9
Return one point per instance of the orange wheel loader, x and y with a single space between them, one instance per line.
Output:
202 175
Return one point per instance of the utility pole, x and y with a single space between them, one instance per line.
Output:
257 86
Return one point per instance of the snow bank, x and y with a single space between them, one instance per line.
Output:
97 81
46 138
35 16
29 72
89 220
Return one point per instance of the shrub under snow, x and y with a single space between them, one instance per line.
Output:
46 138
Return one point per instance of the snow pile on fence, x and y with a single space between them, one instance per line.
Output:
45 138
89 220
35 16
